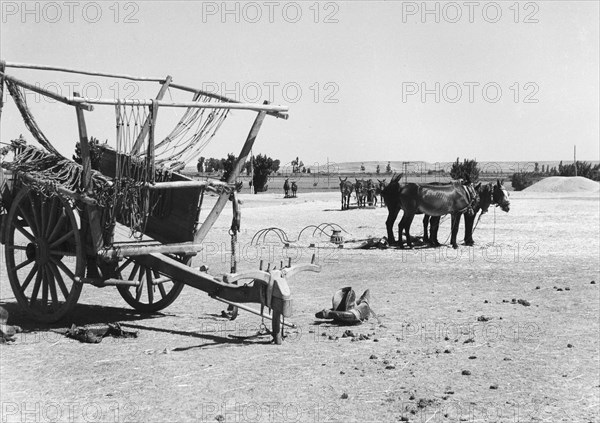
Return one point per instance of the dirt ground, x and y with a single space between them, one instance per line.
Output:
453 342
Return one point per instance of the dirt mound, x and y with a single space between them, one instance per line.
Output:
564 184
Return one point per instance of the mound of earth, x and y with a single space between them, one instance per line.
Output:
564 184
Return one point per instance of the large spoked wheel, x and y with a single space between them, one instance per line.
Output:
153 292
44 254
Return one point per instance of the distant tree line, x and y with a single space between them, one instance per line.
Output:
522 180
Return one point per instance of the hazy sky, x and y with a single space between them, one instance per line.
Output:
364 80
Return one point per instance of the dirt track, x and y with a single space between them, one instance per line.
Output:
443 313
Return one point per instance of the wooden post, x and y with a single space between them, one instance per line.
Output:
239 164
93 212
2 63
142 135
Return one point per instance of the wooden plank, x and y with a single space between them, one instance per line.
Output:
84 105
144 132
69 70
239 164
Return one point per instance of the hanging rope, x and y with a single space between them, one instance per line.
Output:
191 135
131 202
21 102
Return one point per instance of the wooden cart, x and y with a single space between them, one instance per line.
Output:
58 238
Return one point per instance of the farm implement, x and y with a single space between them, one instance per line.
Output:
62 221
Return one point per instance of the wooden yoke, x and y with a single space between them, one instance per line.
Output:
237 169
93 212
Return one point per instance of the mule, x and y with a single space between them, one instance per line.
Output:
435 200
487 195
360 192
286 187
495 194
346 188
294 189
371 195
378 191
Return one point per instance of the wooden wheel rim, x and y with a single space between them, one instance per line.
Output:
44 254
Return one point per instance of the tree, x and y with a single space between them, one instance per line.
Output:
522 180
227 165
362 167
248 167
95 153
536 168
200 165
263 167
388 168
297 165
467 170
543 169
378 170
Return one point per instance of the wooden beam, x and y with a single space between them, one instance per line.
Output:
221 98
144 132
83 104
186 104
94 213
239 164
118 252
188 184
69 70
2 64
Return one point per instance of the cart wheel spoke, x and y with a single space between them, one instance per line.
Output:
29 277
62 239
52 286
36 287
62 267
56 230
59 280
149 285
27 235
161 288
52 214
25 263
140 287
35 222
44 286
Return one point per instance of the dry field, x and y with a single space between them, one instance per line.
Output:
453 342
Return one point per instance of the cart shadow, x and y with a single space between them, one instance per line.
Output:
216 340
81 315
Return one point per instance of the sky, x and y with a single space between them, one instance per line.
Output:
364 81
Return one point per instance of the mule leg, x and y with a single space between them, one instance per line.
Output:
426 228
455 224
469 221
407 221
389 224
435 226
